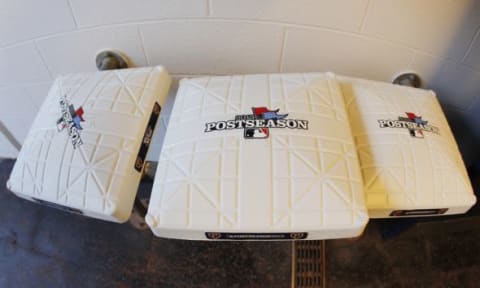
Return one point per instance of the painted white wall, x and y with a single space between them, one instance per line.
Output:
373 39
6 148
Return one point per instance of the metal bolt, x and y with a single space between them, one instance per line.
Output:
109 60
408 79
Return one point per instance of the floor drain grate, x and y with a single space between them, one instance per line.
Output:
307 264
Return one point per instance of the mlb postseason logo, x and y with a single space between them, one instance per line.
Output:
414 123
257 125
70 119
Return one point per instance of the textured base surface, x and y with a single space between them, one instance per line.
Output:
43 247
408 156
258 154
86 147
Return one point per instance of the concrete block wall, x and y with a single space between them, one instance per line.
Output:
373 39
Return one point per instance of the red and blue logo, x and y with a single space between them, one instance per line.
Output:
77 117
262 113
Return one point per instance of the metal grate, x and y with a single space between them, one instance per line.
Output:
308 264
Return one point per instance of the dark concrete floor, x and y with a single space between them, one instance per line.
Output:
43 247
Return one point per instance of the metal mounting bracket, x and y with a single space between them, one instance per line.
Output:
408 79
110 59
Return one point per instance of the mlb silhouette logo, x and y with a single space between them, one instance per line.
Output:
61 125
256 133
262 113
417 133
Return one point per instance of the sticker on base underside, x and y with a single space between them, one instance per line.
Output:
256 236
419 212
147 137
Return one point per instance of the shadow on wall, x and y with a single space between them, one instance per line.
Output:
465 132
460 107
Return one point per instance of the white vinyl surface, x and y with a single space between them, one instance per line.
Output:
97 178
230 178
405 169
